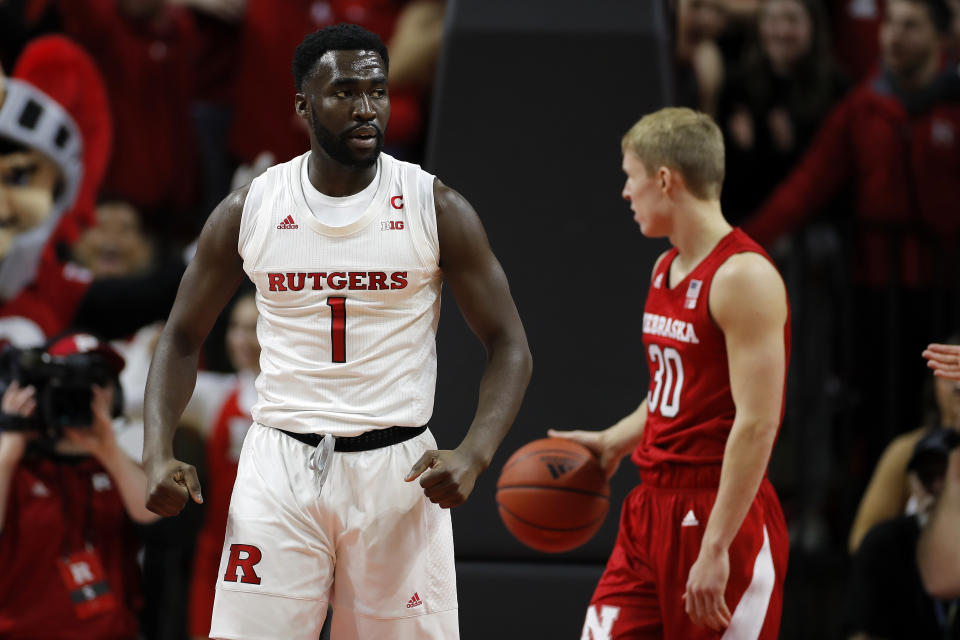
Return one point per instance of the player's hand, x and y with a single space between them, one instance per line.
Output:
169 484
704 597
597 442
447 476
944 359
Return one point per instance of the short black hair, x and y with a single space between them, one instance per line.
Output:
940 13
338 37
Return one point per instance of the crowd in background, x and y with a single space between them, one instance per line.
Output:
842 126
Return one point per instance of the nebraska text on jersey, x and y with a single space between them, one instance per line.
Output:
669 328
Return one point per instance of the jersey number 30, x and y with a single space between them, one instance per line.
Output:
667 381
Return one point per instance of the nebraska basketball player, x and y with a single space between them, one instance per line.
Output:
702 548
347 248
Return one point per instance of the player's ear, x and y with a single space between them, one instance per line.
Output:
665 176
301 105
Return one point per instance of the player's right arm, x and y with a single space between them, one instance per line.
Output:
613 444
208 284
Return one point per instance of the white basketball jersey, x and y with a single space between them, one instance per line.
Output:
348 315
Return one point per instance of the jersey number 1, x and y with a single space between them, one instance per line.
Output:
667 381
338 327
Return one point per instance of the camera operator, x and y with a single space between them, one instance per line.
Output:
68 494
887 597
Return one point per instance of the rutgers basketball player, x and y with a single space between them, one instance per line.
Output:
702 548
347 248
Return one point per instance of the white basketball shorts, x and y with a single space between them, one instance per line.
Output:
366 541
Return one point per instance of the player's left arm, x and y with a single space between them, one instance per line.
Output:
748 301
480 288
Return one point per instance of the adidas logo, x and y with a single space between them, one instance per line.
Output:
415 601
288 223
689 520
557 466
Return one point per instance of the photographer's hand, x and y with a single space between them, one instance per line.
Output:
98 440
18 401
101 442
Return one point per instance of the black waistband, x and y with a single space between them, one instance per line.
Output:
365 441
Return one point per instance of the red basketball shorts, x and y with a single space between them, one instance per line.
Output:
640 593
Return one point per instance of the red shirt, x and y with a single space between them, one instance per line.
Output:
263 117
223 455
856 25
903 170
51 505
690 408
149 72
52 299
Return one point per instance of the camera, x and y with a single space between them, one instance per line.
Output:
63 384
929 459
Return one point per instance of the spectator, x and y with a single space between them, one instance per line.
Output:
66 501
889 491
117 245
856 25
938 551
775 99
698 62
264 120
886 596
896 142
49 182
146 50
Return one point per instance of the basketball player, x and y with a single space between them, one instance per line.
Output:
347 248
702 548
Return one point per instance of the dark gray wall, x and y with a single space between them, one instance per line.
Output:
531 102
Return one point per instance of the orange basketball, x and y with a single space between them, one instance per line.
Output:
553 495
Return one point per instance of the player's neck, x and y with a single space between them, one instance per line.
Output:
335 179
697 230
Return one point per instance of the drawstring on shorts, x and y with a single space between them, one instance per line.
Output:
320 460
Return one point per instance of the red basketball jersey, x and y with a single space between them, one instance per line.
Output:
690 406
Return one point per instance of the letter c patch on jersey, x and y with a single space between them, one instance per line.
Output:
243 557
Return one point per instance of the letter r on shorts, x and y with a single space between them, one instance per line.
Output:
251 556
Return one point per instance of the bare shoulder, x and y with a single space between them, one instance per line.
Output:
231 207
221 231
747 287
449 200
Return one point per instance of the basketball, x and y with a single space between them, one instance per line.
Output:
553 495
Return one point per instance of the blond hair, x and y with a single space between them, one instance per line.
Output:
684 140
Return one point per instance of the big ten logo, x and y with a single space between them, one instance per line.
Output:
391 225
558 465
243 557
